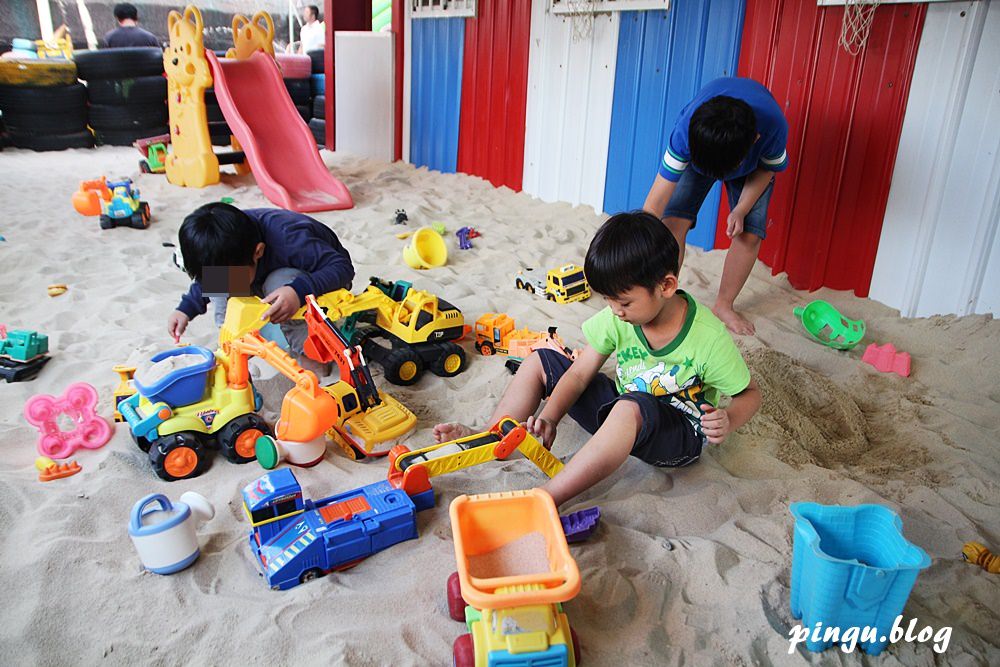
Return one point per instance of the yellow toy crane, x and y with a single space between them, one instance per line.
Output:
419 329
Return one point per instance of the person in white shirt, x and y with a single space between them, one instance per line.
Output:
313 33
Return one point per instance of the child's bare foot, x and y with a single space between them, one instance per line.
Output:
451 431
735 322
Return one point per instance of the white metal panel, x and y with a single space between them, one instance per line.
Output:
941 217
568 124
407 63
601 6
364 93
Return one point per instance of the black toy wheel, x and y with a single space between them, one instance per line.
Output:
550 297
107 222
530 288
456 603
238 438
178 456
450 362
519 284
310 575
137 221
402 366
144 167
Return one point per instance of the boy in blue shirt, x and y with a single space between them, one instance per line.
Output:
674 360
278 255
734 131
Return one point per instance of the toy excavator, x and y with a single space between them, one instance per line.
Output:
212 403
420 329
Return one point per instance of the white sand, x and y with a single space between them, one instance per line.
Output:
831 430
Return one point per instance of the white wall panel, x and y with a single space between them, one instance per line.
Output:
364 80
570 91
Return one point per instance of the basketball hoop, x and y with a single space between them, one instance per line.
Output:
858 17
581 15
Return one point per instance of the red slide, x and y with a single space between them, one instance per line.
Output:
279 147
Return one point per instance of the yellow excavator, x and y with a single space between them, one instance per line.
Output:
403 329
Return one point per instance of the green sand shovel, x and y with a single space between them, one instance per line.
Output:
829 327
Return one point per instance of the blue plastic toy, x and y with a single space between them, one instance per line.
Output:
294 540
182 386
851 567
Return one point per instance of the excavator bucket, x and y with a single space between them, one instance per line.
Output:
242 316
381 425
305 415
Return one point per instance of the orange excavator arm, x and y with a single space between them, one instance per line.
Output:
307 411
325 343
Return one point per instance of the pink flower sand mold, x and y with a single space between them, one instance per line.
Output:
887 359
75 409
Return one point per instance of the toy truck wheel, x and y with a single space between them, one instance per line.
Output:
107 222
178 456
464 651
486 349
550 297
144 167
576 646
144 209
456 603
519 284
530 288
137 221
238 438
450 362
402 366
310 574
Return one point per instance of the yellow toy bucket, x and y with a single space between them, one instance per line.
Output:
426 250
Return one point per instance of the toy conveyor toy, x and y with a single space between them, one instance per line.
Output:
497 443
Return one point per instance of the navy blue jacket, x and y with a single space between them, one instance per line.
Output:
291 240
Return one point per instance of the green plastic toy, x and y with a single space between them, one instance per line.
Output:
829 327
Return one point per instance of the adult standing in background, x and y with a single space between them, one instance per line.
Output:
312 36
128 33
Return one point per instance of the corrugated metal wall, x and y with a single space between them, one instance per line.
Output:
664 58
844 115
569 108
494 90
940 251
435 91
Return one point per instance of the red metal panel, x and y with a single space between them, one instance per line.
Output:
398 27
495 92
845 114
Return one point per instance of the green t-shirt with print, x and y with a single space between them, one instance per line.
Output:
690 372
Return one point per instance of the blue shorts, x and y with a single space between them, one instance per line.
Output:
692 189
667 438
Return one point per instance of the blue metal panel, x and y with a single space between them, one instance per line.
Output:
436 92
664 58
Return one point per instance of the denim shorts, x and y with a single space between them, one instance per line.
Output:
692 189
666 437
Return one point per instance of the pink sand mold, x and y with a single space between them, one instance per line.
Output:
78 403
887 359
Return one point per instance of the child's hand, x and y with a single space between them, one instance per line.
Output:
284 302
734 224
176 324
542 428
715 425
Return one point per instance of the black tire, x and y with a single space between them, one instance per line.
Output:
162 447
317 55
519 284
318 128
125 116
393 362
119 63
138 90
299 90
550 297
227 436
440 365
125 137
311 574
305 111
66 122
109 223
214 113
138 221
52 142
219 129
144 167
24 99
210 97
319 106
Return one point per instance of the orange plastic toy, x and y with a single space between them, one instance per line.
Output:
50 470
87 200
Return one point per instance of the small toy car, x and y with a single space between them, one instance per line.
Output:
124 209
562 285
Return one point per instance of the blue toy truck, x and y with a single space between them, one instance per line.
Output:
295 540
124 208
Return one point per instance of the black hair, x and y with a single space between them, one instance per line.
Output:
126 10
630 250
315 11
217 234
721 133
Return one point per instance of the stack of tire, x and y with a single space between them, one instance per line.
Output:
126 93
43 106
296 70
317 83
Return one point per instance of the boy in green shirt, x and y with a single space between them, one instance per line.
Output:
674 359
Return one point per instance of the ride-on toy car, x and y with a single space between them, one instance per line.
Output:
124 209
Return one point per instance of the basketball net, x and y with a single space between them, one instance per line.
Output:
858 17
581 15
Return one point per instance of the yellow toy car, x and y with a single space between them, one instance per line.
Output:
563 285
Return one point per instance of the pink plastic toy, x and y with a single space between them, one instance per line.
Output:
887 359
67 422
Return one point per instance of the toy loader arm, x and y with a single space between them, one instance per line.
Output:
325 343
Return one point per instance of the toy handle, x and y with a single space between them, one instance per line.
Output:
798 312
128 412
201 507
138 510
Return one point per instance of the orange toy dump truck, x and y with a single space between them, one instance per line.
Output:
496 334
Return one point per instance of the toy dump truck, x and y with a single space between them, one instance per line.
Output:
496 334
563 285
124 208
514 573
22 354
